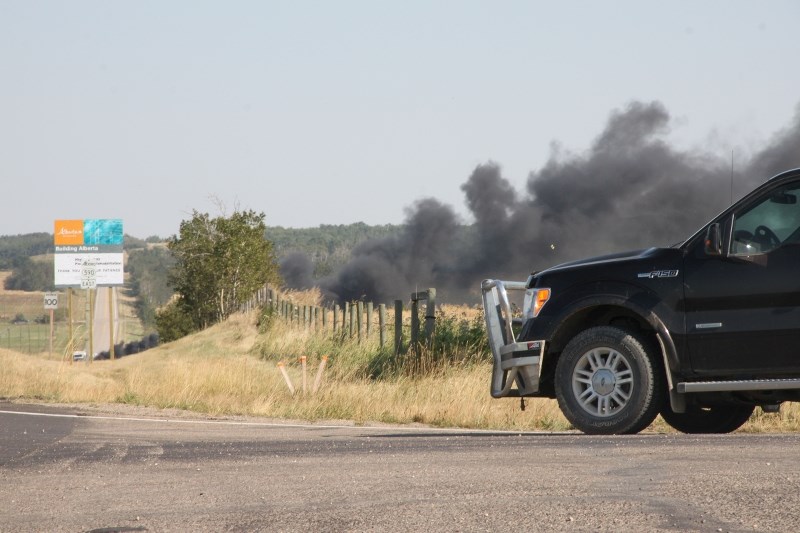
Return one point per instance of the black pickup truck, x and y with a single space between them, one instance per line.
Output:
702 332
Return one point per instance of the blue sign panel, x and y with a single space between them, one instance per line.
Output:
103 231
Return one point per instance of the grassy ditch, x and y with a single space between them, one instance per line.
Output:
232 369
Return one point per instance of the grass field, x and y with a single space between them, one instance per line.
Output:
13 303
232 369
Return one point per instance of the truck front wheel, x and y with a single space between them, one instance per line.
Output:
715 419
607 383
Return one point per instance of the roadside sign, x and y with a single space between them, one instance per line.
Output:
51 300
88 275
98 240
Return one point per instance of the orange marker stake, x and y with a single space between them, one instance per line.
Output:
282 368
318 379
303 364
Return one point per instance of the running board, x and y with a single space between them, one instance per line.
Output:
741 385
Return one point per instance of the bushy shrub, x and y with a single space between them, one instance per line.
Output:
173 322
459 337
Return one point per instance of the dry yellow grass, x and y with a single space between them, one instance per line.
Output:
12 303
222 371
230 369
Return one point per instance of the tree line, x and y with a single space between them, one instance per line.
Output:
328 246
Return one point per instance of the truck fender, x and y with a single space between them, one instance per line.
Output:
666 343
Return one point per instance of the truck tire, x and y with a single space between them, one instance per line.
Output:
607 381
715 419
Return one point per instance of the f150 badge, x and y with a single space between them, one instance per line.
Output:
659 274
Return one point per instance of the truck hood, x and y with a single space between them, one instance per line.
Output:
620 257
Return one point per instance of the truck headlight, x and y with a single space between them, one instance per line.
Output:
534 301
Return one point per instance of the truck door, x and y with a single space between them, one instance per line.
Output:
743 308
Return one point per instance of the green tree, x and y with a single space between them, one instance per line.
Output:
173 323
220 263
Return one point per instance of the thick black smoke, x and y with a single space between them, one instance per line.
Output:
386 269
630 190
297 270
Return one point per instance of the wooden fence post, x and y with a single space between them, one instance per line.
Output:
398 327
382 324
414 325
359 318
369 317
335 316
352 318
430 316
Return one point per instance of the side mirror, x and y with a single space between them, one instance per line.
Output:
713 240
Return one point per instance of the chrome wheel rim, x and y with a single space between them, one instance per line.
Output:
602 382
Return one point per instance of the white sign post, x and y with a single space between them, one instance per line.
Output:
89 282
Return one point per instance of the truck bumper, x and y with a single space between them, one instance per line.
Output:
513 362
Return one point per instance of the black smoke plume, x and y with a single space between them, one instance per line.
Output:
630 190
297 270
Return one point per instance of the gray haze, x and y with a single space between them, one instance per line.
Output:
630 190
148 110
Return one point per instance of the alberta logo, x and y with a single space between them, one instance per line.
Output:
68 232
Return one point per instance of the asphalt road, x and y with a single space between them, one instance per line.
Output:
128 472
103 313
101 323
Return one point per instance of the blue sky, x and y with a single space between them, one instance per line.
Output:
338 112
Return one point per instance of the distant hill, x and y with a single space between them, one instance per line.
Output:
15 247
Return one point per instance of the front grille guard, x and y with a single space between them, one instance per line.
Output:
514 362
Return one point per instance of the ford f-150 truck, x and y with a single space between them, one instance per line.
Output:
702 332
